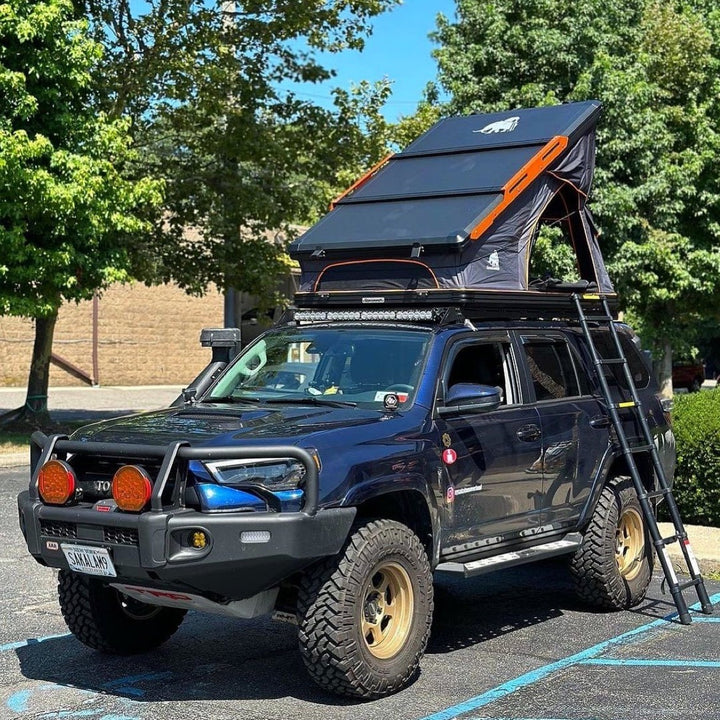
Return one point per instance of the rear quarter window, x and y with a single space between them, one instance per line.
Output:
614 373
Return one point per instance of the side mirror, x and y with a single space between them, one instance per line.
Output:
469 397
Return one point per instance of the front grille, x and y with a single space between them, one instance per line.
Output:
57 528
121 535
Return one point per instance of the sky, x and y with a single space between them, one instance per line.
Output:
398 49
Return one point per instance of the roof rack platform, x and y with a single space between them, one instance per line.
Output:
472 304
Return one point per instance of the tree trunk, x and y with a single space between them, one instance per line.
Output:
34 414
663 368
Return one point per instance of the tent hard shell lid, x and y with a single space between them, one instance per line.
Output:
457 212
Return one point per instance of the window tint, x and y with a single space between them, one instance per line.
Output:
614 373
481 364
551 369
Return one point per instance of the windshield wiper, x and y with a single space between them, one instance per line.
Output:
231 399
312 400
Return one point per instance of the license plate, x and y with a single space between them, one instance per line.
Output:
89 560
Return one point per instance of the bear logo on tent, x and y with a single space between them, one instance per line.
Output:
500 126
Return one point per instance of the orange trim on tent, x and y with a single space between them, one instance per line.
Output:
522 178
360 181
375 260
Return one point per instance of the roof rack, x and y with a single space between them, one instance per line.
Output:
437 306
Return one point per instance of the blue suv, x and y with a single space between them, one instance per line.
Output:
330 468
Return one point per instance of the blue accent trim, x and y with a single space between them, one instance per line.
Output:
215 497
542 672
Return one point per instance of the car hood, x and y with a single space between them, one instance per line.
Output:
214 424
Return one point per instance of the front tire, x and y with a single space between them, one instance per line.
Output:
613 566
364 616
104 619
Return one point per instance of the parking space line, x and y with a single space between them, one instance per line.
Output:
651 663
30 641
540 673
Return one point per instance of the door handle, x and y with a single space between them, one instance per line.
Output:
600 421
528 433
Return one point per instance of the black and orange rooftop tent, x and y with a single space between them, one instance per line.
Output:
456 213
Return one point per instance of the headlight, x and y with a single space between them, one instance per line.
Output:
274 474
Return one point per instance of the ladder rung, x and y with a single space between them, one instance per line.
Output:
640 448
666 541
690 583
657 493
611 361
625 405
600 318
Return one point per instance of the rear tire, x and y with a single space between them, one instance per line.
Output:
613 566
364 616
104 619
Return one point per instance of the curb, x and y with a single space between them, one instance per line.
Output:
17 459
705 544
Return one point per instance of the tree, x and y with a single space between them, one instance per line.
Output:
210 86
68 217
655 67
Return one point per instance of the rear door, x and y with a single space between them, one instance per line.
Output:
573 424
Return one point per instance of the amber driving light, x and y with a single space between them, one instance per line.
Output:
56 482
131 488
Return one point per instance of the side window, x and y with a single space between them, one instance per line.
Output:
614 373
482 364
551 369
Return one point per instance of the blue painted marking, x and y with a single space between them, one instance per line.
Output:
127 684
31 641
540 673
69 714
706 619
17 702
651 663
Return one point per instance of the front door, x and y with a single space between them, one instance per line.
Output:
494 471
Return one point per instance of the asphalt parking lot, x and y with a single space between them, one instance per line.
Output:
513 645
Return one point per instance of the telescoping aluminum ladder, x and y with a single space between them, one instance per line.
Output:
647 445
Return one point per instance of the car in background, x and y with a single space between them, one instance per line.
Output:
688 374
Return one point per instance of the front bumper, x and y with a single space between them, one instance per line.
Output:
246 552
152 549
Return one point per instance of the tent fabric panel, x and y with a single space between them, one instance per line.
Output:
444 175
532 126
441 222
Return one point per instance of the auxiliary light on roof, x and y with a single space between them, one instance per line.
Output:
340 315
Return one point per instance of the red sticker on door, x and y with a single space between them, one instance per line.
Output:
449 456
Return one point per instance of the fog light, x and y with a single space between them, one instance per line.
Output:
198 539
255 536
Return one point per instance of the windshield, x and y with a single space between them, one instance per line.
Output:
358 366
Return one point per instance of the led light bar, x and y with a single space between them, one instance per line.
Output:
312 316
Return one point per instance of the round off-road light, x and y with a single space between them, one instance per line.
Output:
56 482
131 488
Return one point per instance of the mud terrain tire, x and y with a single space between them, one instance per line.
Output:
613 566
364 616
104 619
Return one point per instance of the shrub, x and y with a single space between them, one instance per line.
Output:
696 423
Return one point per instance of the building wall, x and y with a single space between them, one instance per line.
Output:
146 336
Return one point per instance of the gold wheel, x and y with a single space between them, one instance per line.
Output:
629 543
387 610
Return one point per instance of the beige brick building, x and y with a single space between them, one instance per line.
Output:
145 336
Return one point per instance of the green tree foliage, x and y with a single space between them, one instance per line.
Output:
654 66
243 155
68 217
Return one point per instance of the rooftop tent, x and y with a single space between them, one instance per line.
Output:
460 207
